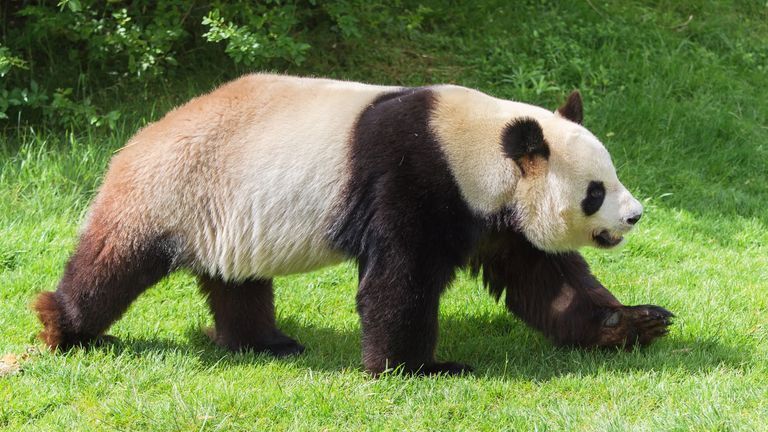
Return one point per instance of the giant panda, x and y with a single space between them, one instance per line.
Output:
272 175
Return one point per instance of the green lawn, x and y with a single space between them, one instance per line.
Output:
682 105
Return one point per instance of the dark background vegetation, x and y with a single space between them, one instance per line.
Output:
66 62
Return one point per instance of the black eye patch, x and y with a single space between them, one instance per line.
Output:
594 199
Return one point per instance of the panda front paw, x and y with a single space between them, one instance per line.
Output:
446 368
434 368
629 326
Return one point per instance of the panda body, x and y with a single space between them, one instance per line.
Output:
271 175
232 175
250 193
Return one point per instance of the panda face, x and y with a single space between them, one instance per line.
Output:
598 210
542 172
576 199
620 212
568 194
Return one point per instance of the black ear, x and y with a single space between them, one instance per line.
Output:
573 109
523 141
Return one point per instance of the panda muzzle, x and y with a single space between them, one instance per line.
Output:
607 240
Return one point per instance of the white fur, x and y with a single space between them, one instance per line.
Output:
469 125
248 175
556 222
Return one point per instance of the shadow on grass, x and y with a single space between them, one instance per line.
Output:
497 346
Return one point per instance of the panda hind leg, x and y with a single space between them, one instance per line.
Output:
106 273
244 317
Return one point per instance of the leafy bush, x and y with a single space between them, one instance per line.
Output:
61 56
265 39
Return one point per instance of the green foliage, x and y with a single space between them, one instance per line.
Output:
64 58
8 61
70 112
74 49
270 38
13 97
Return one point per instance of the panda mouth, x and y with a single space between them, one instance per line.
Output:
606 240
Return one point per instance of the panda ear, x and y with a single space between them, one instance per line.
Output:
523 141
572 109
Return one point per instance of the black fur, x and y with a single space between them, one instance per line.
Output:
558 295
244 313
594 198
409 227
573 108
523 141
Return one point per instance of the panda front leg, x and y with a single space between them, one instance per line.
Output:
578 310
558 295
398 306
244 316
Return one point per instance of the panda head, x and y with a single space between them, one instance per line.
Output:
568 194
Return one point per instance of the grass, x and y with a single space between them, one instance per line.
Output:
680 104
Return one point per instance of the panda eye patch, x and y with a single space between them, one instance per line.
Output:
594 199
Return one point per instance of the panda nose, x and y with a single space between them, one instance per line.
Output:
633 220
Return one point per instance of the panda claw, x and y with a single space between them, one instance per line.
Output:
654 310
612 320
105 339
278 345
629 326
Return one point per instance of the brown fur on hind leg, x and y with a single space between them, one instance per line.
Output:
558 295
101 279
244 316
50 315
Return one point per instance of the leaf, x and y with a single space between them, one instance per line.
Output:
74 5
